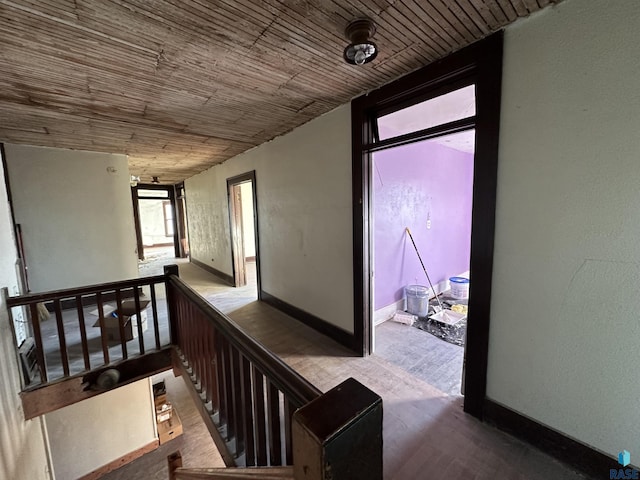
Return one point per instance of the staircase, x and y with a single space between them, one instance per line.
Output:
266 420
177 472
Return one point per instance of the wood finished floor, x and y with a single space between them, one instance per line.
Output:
195 444
421 354
426 433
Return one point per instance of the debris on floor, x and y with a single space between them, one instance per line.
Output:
449 325
404 317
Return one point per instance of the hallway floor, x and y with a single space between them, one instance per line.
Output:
426 433
422 355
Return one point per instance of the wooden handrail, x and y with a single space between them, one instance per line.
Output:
337 435
279 373
253 393
85 290
64 305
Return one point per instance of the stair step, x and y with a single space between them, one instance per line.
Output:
249 473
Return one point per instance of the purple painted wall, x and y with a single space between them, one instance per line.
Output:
412 184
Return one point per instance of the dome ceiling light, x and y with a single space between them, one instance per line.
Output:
361 50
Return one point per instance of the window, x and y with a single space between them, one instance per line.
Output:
168 218
457 105
153 193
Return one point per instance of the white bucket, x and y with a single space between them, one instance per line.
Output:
417 300
459 287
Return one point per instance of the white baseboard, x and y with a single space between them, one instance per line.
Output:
385 313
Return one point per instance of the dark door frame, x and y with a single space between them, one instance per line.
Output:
236 180
480 64
136 214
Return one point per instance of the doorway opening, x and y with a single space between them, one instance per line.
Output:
243 221
156 222
480 66
424 188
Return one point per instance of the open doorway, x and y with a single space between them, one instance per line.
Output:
156 222
479 65
243 218
425 187
421 205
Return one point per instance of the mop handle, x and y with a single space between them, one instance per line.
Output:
415 247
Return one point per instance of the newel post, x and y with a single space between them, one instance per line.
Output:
339 435
174 461
172 307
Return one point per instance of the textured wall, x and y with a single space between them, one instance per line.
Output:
304 214
415 184
76 216
94 432
22 446
565 307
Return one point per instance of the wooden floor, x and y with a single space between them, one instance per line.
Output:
195 443
426 434
421 354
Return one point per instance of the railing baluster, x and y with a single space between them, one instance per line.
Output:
103 329
273 424
206 358
288 415
192 340
237 400
37 333
170 270
83 333
62 340
247 416
185 324
213 369
260 417
221 379
228 376
76 299
198 350
123 339
136 297
154 312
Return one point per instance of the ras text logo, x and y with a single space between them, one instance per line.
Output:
624 459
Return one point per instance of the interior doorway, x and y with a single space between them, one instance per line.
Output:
243 221
156 221
480 65
421 229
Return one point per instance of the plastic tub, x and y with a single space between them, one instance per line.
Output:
459 287
417 300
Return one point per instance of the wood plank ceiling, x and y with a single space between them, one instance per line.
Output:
180 85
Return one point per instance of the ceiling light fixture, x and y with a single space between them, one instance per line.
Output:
361 50
155 180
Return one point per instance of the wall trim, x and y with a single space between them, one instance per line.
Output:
385 313
227 278
335 333
567 450
122 461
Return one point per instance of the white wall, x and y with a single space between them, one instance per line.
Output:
303 186
22 446
152 223
247 219
565 307
90 434
76 215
